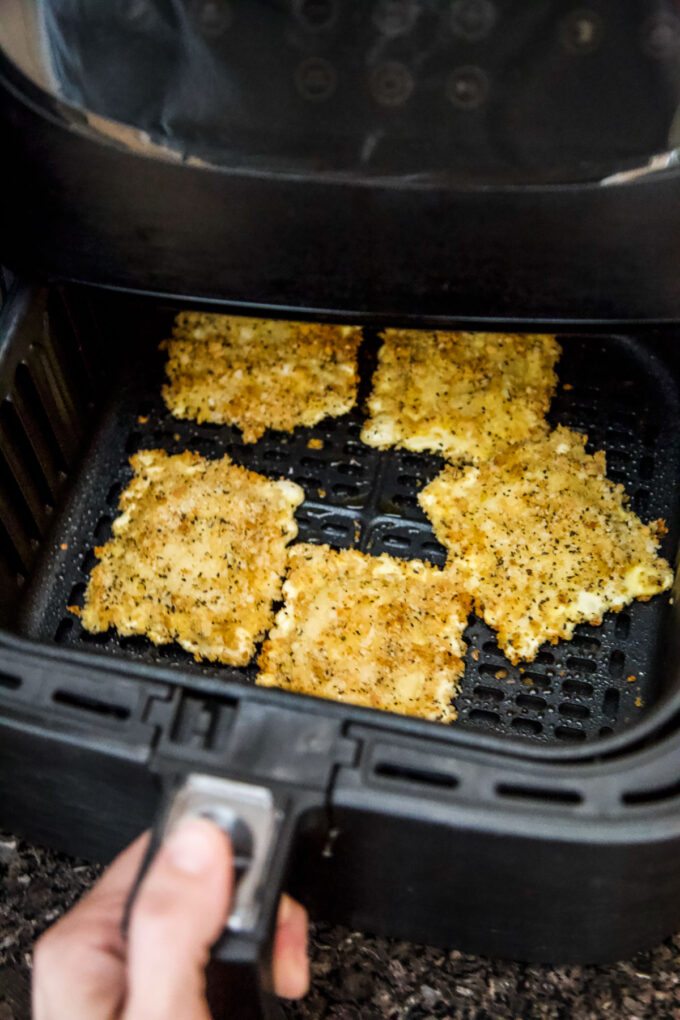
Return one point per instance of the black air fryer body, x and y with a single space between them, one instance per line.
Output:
476 163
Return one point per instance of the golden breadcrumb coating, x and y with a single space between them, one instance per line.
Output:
368 630
197 556
466 395
259 374
544 540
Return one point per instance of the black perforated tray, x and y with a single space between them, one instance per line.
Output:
615 389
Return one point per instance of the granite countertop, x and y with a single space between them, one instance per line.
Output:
356 977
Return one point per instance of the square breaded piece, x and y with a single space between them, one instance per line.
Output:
259 374
197 556
368 630
544 540
465 395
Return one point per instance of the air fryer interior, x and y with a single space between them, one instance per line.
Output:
403 88
81 376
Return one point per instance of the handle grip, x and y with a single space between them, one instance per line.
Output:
238 978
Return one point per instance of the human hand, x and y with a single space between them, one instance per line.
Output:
84 970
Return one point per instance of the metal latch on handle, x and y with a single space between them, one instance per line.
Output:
249 816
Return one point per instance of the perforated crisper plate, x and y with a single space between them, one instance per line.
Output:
614 389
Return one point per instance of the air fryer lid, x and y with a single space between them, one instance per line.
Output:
326 154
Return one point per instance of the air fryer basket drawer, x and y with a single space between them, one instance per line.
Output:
543 824
81 388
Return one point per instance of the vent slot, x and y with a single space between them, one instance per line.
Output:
9 682
113 495
16 517
90 560
397 542
653 796
498 672
67 339
491 648
102 529
20 452
63 630
488 693
333 530
52 394
86 703
577 689
547 795
622 625
405 501
610 705
617 661
16 499
422 777
580 665
589 645
531 701
527 727
77 595
433 548
569 733
37 424
9 552
536 679
572 711
484 717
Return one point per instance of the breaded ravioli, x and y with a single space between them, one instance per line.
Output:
259 374
197 556
465 395
544 540
368 630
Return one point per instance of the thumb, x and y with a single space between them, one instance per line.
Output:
180 910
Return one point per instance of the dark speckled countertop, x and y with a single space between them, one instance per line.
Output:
356 977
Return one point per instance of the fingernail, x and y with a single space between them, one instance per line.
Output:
285 909
191 846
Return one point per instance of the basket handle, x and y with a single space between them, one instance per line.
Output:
238 978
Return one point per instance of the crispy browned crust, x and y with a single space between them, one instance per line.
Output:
544 540
372 631
466 395
258 373
197 556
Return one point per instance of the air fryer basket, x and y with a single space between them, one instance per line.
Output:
614 388
391 824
